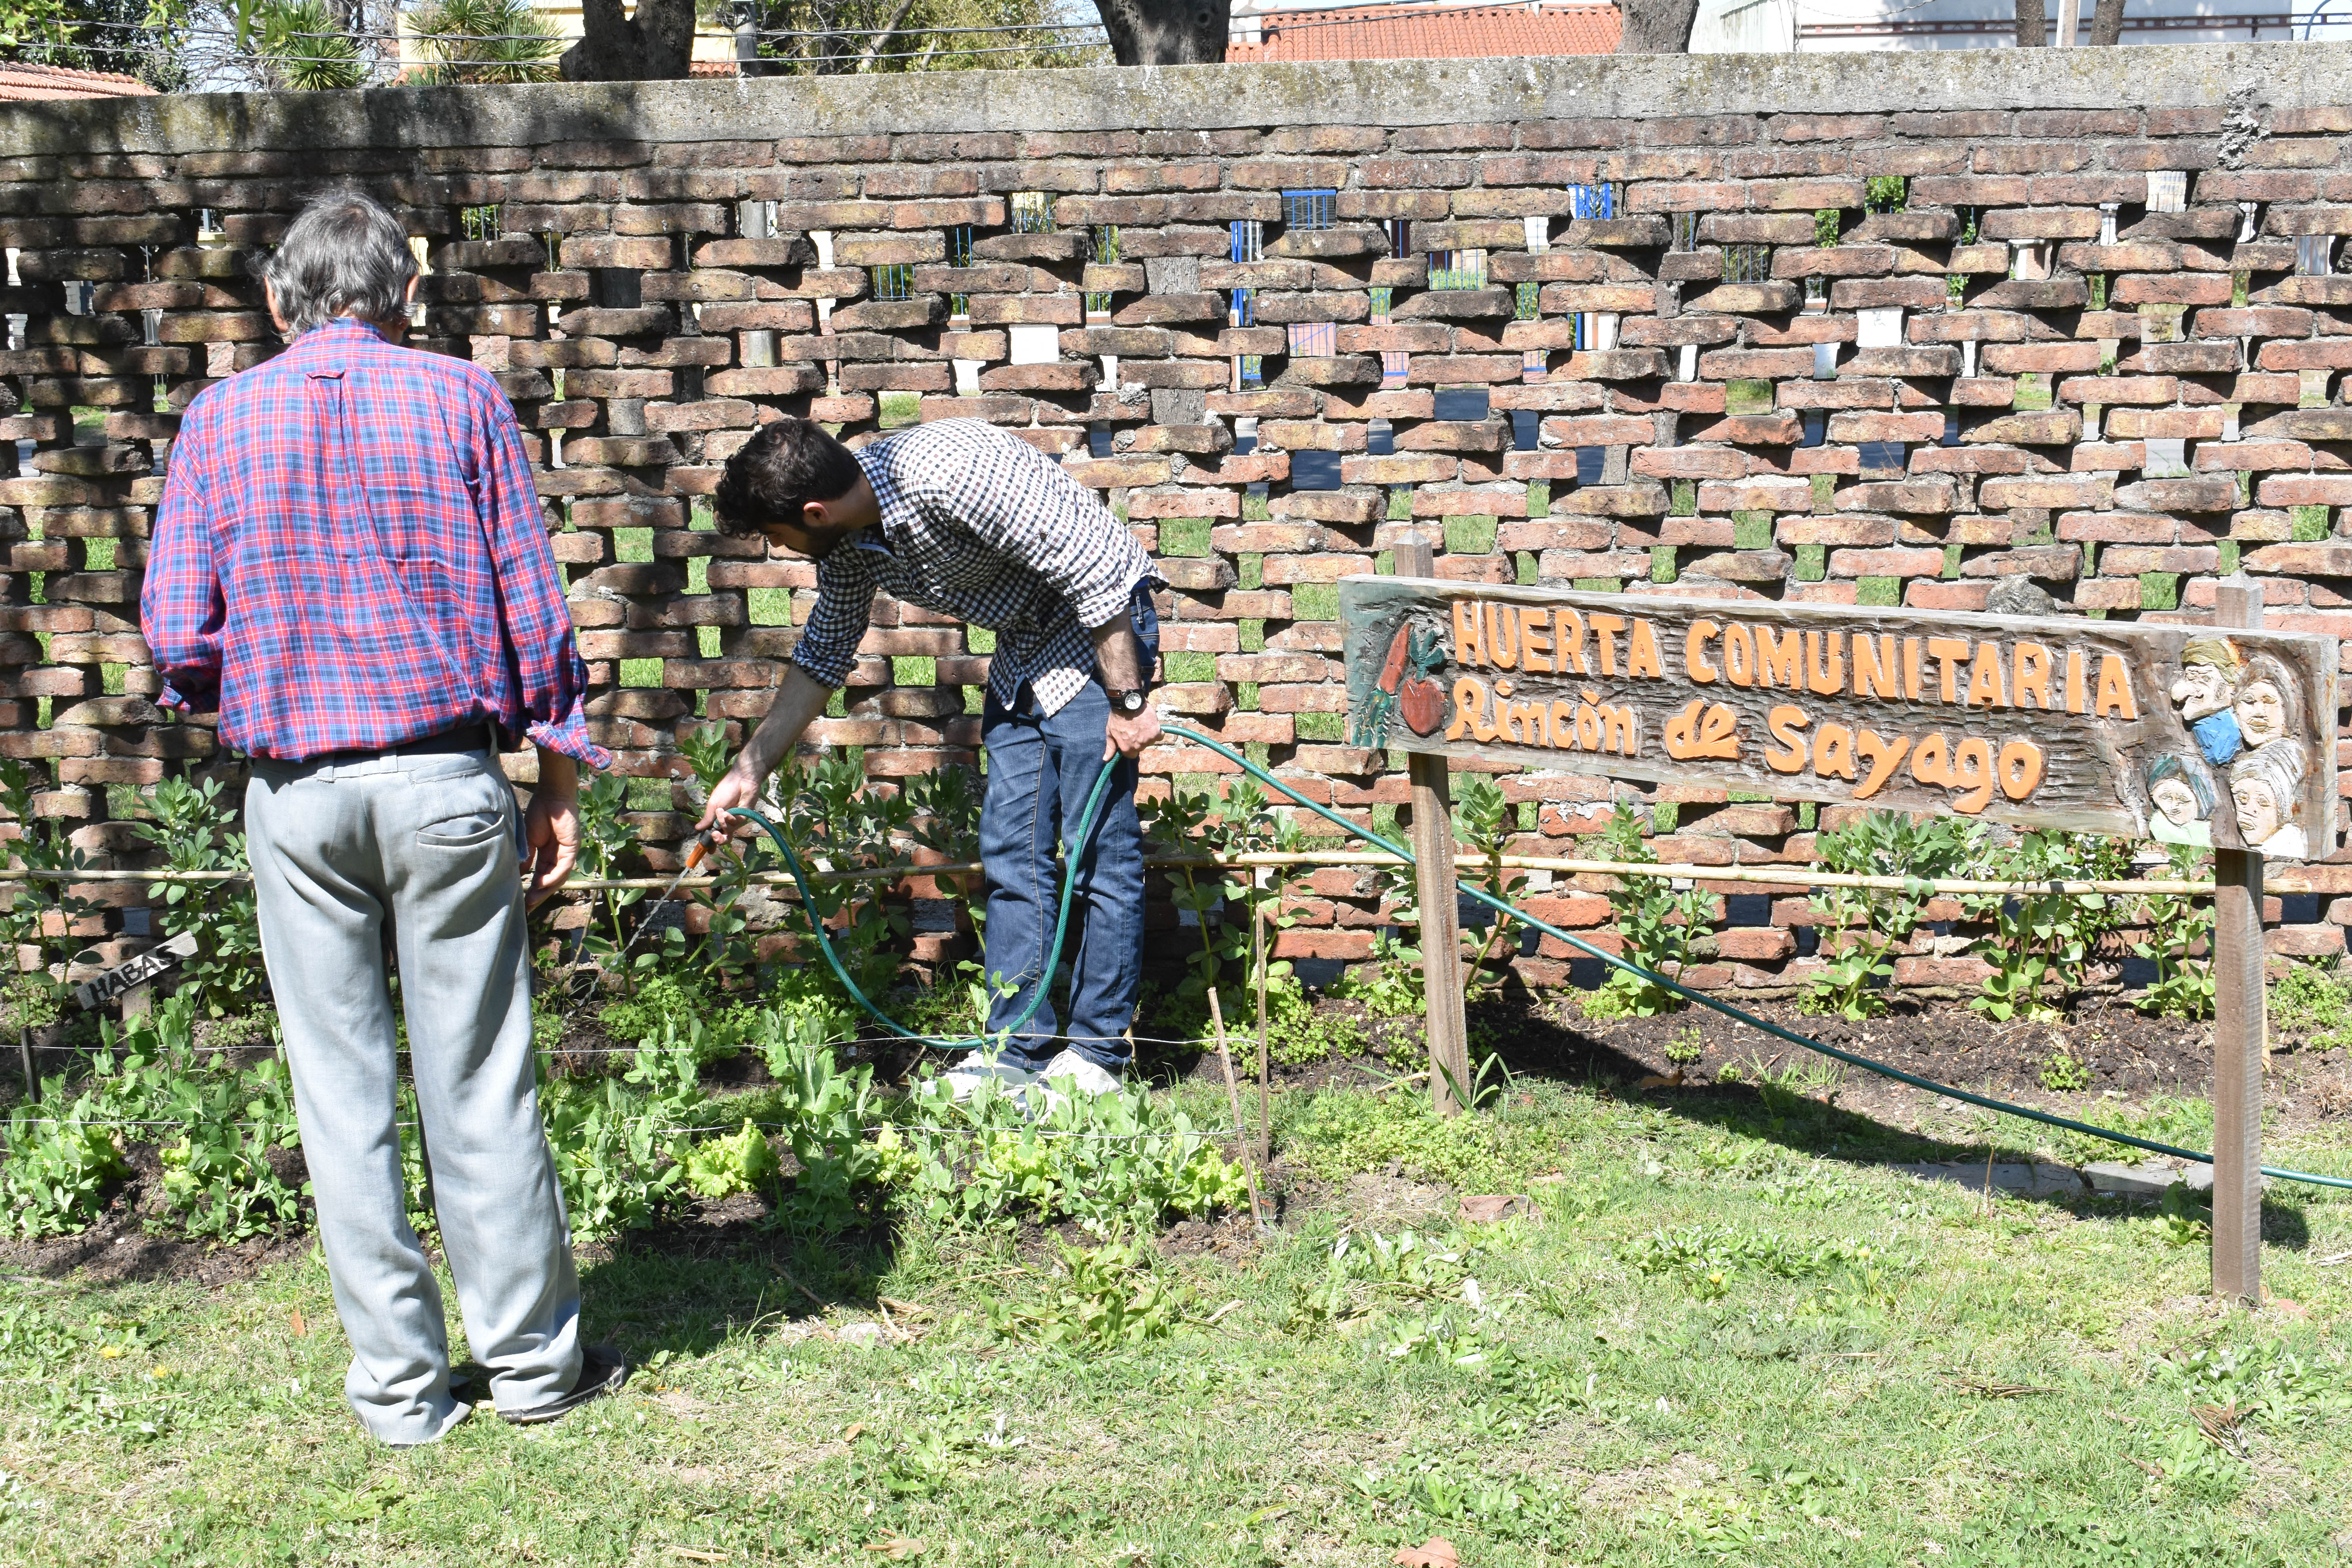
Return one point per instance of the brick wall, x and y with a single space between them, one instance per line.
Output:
1577 319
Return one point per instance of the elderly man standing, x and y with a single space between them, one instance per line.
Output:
350 565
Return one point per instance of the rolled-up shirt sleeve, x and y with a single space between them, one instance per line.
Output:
554 678
183 611
1039 516
837 621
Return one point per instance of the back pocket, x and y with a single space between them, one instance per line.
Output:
463 831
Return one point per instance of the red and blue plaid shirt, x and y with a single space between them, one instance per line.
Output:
349 554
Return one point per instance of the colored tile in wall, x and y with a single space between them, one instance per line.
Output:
1314 339
1467 404
1315 471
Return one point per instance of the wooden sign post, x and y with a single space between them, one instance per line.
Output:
2239 1034
2218 738
1441 940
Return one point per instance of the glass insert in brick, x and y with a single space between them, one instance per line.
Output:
1466 403
1315 471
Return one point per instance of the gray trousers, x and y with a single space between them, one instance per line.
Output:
427 846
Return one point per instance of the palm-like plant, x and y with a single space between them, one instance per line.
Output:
306 47
482 43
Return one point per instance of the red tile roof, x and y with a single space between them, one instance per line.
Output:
1432 32
23 83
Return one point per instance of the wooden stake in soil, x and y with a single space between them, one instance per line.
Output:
24 1054
1233 1097
2239 1027
1441 941
1261 955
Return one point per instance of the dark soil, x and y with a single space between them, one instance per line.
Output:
2127 1056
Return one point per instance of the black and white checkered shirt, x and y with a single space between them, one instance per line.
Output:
979 525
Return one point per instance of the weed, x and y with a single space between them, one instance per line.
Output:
1122 1160
2182 1124
1368 1271
1867 926
2043 939
1113 1298
1483 824
1684 1050
1335 1134
53 1165
606 839
1707 1257
1240 822
1656 924
1388 984
2062 1074
2311 1002
40 914
2178 926
191 829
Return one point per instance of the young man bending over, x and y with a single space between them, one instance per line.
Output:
970 520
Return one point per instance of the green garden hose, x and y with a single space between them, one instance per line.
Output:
1086 834
1087 822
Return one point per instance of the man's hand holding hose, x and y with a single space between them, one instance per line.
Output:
1119 659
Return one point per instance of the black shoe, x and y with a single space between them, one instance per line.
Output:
602 1371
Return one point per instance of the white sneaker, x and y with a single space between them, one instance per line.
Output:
977 1068
1076 1075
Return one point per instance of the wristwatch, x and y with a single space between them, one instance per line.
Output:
1127 704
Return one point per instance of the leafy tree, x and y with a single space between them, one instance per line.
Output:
483 42
302 46
145 38
836 38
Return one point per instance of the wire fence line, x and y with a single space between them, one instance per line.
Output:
1268 860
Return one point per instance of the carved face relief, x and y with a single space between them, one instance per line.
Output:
2176 800
2259 816
2202 690
2262 713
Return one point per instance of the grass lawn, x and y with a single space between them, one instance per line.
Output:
1723 1333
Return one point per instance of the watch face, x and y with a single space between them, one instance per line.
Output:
1131 703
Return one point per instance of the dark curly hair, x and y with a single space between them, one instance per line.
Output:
783 465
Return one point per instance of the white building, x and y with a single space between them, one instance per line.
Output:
1812 26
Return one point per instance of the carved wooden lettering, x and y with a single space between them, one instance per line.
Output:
2184 734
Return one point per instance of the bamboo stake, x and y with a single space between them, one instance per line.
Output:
1234 1095
1771 876
1258 957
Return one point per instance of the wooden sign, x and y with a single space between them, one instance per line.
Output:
2185 734
99 990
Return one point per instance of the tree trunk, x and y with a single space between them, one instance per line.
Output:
656 45
1656 27
2106 22
1167 32
2032 25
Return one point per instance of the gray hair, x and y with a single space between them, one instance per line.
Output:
344 256
2278 767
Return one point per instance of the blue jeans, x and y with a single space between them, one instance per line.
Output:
1041 769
